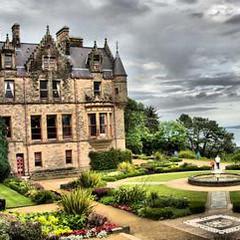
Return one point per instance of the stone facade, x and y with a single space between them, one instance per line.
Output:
60 100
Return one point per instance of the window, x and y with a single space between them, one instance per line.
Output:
8 61
36 128
7 122
67 125
68 156
38 159
116 91
52 126
92 124
9 88
103 123
43 89
97 88
56 89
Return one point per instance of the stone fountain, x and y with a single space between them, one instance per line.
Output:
217 178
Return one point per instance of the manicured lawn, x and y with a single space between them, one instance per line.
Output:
14 199
164 177
191 195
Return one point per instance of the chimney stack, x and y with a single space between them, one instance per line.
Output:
63 39
16 35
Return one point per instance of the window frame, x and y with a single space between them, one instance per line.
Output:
56 90
43 90
97 92
10 81
67 161
38 163
51 127
40 117
11 61
92 127
69 127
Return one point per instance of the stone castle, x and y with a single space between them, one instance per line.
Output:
60 100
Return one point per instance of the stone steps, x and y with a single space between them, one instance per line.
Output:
56 173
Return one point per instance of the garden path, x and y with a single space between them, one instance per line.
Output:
144 229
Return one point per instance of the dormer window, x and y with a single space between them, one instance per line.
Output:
96 58
8 61
49 63
9 89
56 89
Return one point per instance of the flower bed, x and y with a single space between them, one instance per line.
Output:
56 226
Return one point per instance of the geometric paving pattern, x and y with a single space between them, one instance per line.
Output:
221 224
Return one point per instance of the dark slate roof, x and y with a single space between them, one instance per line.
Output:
77 58
119 69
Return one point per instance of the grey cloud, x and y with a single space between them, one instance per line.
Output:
188 1
234 20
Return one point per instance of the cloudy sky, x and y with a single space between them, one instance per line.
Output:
181 55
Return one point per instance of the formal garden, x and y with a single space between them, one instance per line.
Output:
134 180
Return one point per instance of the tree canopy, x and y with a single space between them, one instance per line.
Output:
206 136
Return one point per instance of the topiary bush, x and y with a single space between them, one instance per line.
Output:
109 159
197 207
188 154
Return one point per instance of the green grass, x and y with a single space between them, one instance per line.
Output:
14 199
164 177
191 195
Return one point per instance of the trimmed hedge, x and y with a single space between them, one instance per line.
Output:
197 207
235 199
109 159
233 167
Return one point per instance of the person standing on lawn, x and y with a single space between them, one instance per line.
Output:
218 160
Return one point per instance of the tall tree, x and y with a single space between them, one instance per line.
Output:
152 119
206 136
4 164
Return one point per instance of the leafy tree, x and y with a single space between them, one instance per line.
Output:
206 136
4 165
152 119
172 136
140 121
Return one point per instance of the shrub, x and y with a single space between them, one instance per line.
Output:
156 213
2 204
43 196
70 185
4 229
233 167
126 167
96 220
101 192
77 202
109 159
160 156
175 159
188 154
108 200
90 179
236 157
156 201
25 231
235 199
18 185
129 195
197 207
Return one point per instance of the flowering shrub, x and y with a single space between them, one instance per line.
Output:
99 232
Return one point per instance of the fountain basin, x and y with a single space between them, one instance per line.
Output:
215 180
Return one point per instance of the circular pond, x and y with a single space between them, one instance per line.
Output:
215 180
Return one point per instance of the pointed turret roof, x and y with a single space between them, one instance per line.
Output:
119 69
